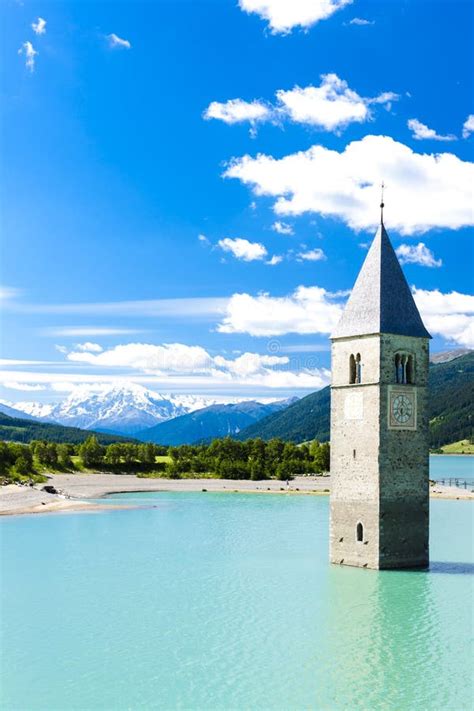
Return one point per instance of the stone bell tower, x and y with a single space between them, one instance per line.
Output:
379 421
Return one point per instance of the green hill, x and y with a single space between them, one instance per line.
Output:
451 391
451 399
16 429
304 420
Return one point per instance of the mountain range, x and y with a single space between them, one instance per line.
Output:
211 422
132 410
120 409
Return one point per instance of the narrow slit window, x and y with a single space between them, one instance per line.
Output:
358 369
404 370
397 368
360 532
410 370
352 370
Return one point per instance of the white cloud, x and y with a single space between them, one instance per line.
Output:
422 132
448 315
117 42
276 259
237 111
27 387
468 126
417 254
424 191
307 310
200 307
30 53
202 238
84 331
176 359
311 255
361 22
8 293
243 249
249 363
88 347
166 358
314 310
331 106
284 15
39 27
282 228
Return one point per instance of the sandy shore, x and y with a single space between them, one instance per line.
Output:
76 488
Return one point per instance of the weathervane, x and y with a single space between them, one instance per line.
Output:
382 204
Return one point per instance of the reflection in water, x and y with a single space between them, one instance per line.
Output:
385 640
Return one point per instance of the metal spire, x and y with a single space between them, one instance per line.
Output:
382 204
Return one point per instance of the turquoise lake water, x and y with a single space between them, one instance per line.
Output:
227 601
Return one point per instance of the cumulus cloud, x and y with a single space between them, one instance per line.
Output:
237 111
116 42
166 358
311 255
313 310
468 126
425 190
448 315
39 27
283 16
29 52
176 359
417 254
331 106
307 310
421 132
243 249
282 228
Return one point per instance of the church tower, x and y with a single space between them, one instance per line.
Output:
379 421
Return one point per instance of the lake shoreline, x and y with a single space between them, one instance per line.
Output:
76 489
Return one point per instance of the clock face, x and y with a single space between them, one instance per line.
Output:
402 408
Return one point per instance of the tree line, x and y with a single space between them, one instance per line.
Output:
19 461
253 459
223 458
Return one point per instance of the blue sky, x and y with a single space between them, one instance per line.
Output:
206 175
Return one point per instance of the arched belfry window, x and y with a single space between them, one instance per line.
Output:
359 533
404 369
352 370
358 369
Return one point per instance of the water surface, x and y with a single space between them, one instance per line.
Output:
227 601
443 466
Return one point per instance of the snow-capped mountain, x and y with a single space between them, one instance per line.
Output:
123 409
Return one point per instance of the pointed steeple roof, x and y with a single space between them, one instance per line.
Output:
381 300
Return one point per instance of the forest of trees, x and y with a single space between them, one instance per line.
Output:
223 458
252 459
